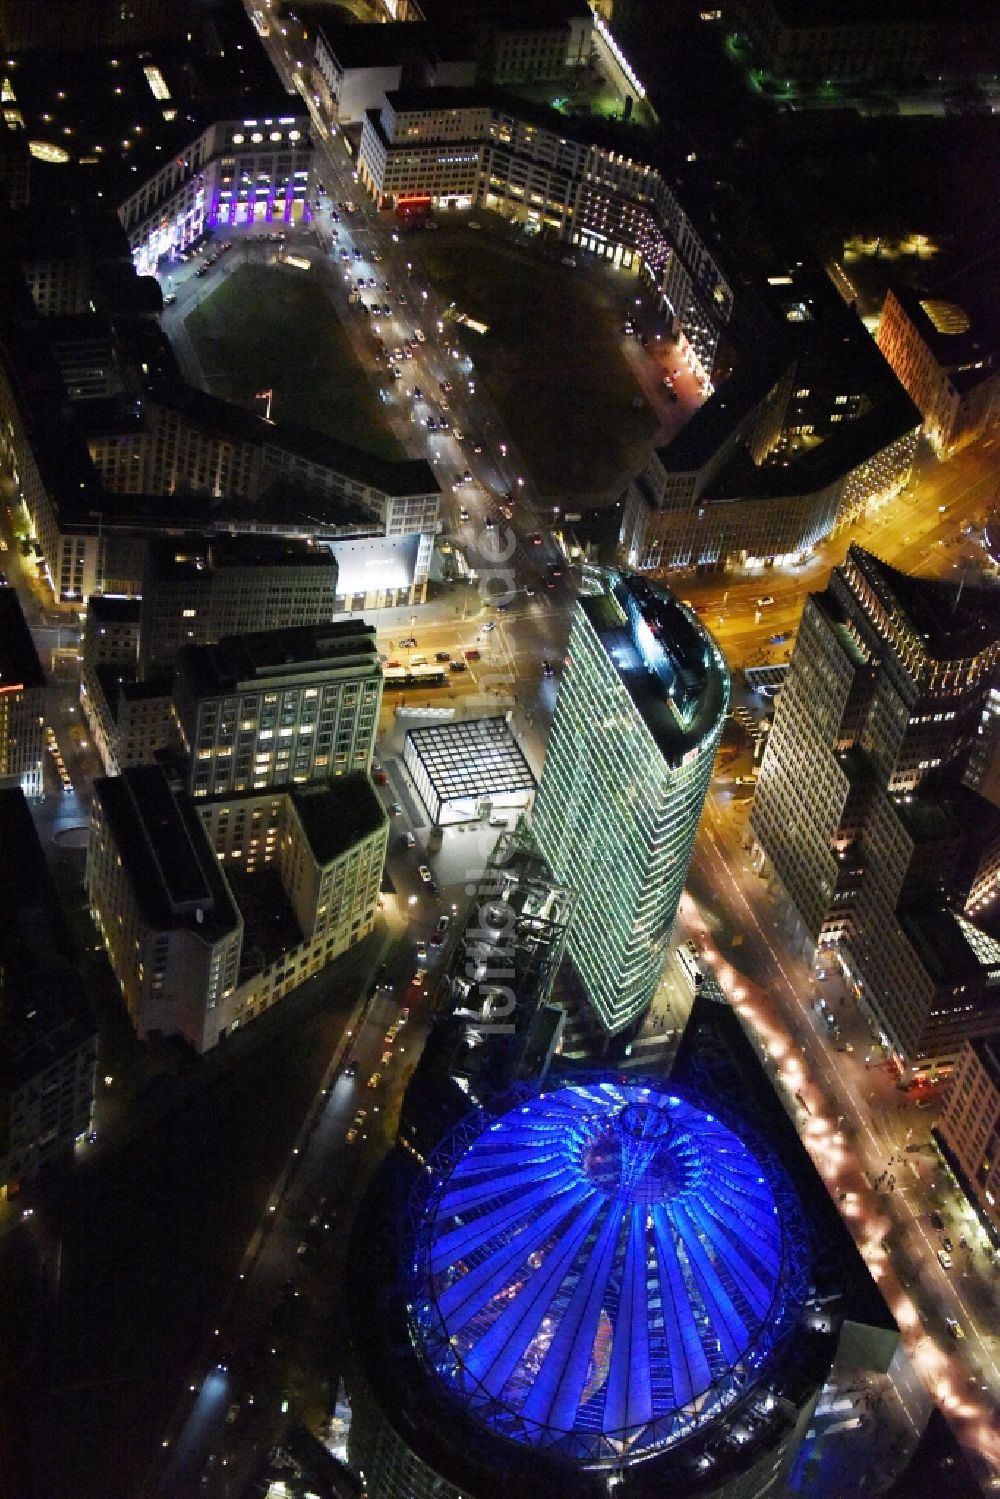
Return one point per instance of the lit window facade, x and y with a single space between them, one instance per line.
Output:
640 711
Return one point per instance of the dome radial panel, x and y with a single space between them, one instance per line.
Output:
601 1270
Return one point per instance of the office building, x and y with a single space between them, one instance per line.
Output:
196 589
212 912
863 815
946 358
881 41
968 1130
605 1284
48 1038
810 432
22 700
279 707
638 719
171 927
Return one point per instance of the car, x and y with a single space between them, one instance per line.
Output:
490 624
202 270
459 435
466 473
387 1057
547 668
442 655
380 778
436 939
764 600
409 840
947 1244
457 666
419 335
418 394
390 1034
477 447
778 639
360 1118
536 539
375 1079
401 299
937 1222
170 299
433 887
418 978
421 952
954 1327
395 809
463 514
491 521
404 1014
409 644
944 1259
351 1069
358 255
302 1250
233 1412
350 1137
443 924
471 654
446 387
425 874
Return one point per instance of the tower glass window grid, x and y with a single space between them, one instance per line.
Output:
617 819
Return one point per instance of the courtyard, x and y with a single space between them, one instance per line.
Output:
275 328
552 360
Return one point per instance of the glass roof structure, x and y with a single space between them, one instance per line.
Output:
602 1269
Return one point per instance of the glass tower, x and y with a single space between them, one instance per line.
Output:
640 711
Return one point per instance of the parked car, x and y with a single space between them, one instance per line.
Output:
425 874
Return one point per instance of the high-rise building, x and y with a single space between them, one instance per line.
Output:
640 711
48 1037
279 707
196 589
863 813
22 700
969 1129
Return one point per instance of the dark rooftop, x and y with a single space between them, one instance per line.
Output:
19 663
304 649
336 814
43 1011
113 611
184 556
111 121
171 865
953 621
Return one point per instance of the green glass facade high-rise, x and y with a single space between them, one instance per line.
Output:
640 711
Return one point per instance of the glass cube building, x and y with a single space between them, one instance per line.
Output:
640 712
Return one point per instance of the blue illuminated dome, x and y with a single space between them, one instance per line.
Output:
601 1270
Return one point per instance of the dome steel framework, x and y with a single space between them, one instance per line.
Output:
603 1269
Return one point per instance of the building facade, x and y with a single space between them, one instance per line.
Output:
541 169
234 172
969 1129
22 700
48 1037
638 719
951 374
278 708
196 590
862 813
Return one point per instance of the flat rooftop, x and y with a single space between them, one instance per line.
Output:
190 556
171 866
19 663
301 650
339 813
475 757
